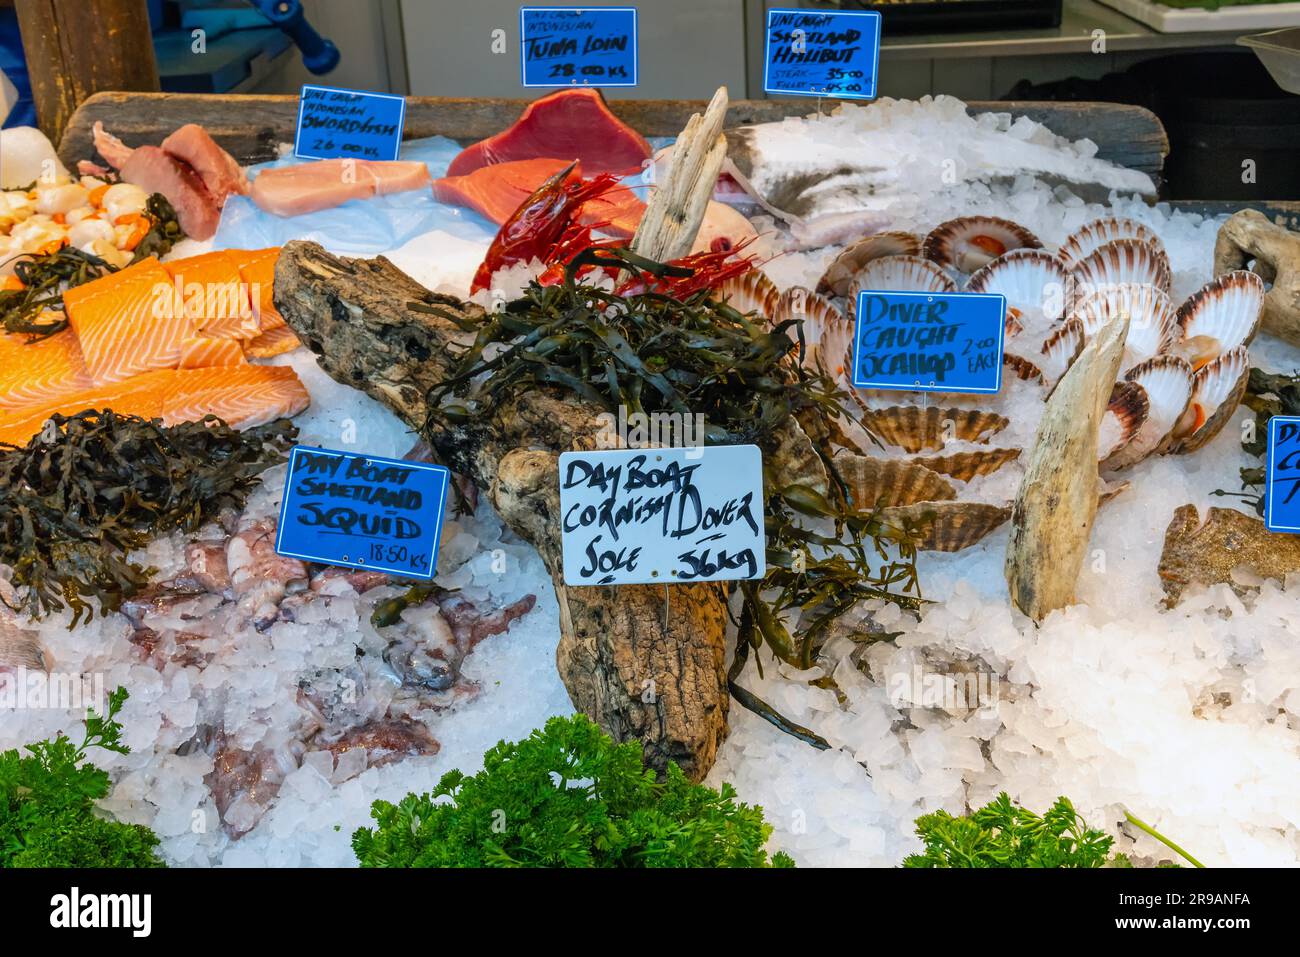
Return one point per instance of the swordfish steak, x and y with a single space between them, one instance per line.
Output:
323 184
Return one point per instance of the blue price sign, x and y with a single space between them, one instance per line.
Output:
362 511
822 54
351 124
929 342
1282 491
578 46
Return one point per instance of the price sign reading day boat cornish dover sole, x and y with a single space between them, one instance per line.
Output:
811 53
641 516
348 124
1282 486
362 511
929 342
578 46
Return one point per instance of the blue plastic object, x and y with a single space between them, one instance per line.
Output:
318 54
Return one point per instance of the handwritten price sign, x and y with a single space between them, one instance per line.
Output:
570 46
822 54
636 516
351 124
929 342
1282 491
361 511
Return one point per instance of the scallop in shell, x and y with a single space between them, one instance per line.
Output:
752 292
1032 281
838 276
1153 325
1221 315
898 274
964 466
1123 418
1119 262
1022 368
946 526
828 334
1217 389
1167 381
970 242
1083 241
913 428
883 483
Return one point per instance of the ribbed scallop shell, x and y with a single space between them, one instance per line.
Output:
1119 262
752 292
1030 279
1084 240
1217 388
1022 368
1167 381
1060 350
1153 326
898 274
946 526
883 483
1221 315
827 333
964 466
1123 418
913 428
970 242
839 274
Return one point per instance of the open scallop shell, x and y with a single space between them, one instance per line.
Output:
1022 368
1153 326
1060 350
1120 262
838 276
1031 280
884 483
1167 382
913 428
898 274
1087 238
946 526
828 335
751 292
964 466
1217 388
970 242
1221 315
1123 418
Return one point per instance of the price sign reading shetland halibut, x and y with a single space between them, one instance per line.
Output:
348 124
929 341
1282 488
578 46
362 511
822 54
637 516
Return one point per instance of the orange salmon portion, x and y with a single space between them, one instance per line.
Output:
140 396
258 269
214 295
32 373
126 322
207 351
276 342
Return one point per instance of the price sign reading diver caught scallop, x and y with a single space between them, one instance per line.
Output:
348 124
578 46
1282 488
362 511
641 516
822 54
929 342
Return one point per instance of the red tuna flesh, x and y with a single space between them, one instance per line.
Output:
156 171
217 168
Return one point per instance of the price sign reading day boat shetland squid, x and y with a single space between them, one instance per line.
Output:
810 53
641 516
348 124
929 341
362 511
1282 484
578 46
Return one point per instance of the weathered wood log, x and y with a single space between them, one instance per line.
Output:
1051 518
1249 237
642 671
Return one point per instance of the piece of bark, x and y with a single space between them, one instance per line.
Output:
1249 235
1214 551
642 672
1052 515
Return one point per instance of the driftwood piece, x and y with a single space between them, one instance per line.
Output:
1051 518
643 671
1249 236
1219 549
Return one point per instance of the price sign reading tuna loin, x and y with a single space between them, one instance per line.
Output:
636 516
571 46
351 124
362 511
929 342
822 54
1282 491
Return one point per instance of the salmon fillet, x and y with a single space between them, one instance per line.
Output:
140 396
37 372
322 184
208 351
257 267
274 342
127 322
214 295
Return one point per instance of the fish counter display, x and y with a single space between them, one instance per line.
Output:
965 594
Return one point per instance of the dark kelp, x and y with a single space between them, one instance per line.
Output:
90 488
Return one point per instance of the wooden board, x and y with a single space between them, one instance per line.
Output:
251 126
